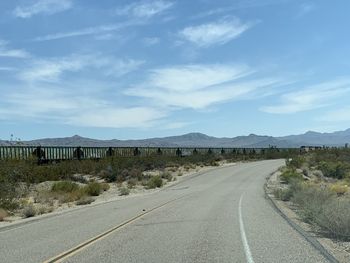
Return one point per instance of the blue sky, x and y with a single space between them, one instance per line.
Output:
137 69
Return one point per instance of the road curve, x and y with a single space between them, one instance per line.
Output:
219 216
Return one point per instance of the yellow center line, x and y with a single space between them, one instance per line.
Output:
89 242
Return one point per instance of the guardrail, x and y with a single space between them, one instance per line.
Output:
52 153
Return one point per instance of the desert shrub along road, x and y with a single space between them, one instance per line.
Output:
19 177
318 184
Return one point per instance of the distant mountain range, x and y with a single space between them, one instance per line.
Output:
338 138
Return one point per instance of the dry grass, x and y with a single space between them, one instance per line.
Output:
67 192
325 206
132 183
172 169
323 209
44 209
85 200
283 194
65 186
3 214
124 191
339 188
167 176
105 187
335 218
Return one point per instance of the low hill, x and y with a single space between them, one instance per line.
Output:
338 138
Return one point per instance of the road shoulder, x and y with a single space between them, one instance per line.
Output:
334 251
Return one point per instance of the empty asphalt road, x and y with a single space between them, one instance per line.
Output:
219 216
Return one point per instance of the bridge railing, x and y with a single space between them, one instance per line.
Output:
69 153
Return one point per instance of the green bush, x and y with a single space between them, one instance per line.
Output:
109 174
289 175
8 191
8 202
283 194
154 182
93 189
65 187
333 169
214 163
295 162
29 211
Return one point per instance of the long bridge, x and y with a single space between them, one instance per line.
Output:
52 153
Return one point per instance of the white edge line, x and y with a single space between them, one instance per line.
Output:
247 252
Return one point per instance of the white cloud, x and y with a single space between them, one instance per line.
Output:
45 93
47 7
97 30
36 101
119 67
137 11
52 69
114 117
145 9
197 86
215 33
194 77
12 53
7 69
239 5
313 97
51 103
